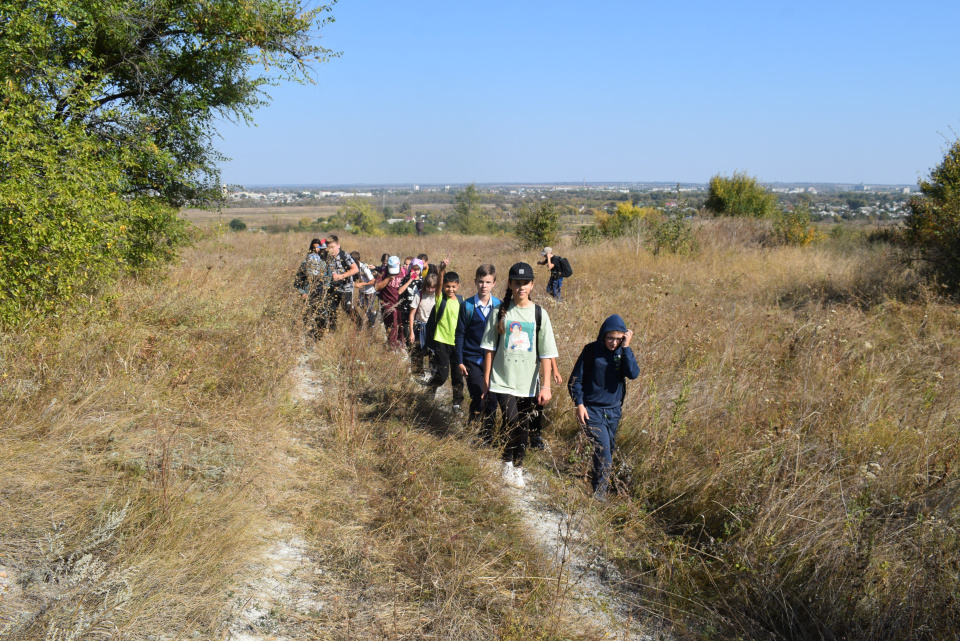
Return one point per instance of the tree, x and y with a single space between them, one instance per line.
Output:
152 77
107 112
468 216
237 225
740 195
362 217
933 224
538 225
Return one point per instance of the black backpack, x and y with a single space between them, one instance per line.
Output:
566 270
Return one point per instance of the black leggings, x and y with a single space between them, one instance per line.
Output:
518 412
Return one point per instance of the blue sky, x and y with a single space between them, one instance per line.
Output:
532 91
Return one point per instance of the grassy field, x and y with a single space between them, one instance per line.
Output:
786 464
260 216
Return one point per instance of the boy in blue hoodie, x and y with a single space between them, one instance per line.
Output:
597 385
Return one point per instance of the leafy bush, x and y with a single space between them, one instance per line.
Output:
740 195
625 216
65 226
538 225
793 227
237 225
933 224
671 234
588 235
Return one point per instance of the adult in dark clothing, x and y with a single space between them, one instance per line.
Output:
597 385
340 293
556 271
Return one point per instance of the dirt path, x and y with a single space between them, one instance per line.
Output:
285 588
586 579
286 591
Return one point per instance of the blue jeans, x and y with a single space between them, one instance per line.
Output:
553 286
601 428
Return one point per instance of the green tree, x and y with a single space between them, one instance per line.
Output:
153 77
468 216
538 225
740 195
107 113
933 224
237 225
362 217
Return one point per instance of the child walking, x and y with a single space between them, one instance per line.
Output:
420 308
519 345
597 385
442 334
389 288
473 319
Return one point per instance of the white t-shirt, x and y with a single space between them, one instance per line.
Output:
424 304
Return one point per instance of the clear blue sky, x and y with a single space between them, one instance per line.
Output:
535 91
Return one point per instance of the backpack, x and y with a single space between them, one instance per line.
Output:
435 315
467 308
565 269
300 281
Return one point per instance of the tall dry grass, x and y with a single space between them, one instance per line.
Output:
152 443
786 462
787 458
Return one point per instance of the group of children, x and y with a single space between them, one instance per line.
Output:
503 351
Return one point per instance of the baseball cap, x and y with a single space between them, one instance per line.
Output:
521 271
393 265
546 250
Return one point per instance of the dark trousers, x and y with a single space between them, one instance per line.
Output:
536 424
393 324
418 348
443 356
335 300
315 314
601 428
518 412
482 410
554 285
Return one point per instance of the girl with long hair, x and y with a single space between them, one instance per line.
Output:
519 350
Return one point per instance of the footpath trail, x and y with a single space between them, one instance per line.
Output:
287 592
585 579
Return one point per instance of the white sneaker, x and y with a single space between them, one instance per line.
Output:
518 481
508 473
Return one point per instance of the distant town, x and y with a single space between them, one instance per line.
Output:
825 200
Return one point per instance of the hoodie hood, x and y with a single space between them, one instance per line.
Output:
612 324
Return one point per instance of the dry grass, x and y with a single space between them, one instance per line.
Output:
786 462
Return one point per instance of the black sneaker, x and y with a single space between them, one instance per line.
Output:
537 443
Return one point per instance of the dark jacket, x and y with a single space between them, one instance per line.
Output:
598 378
470 326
